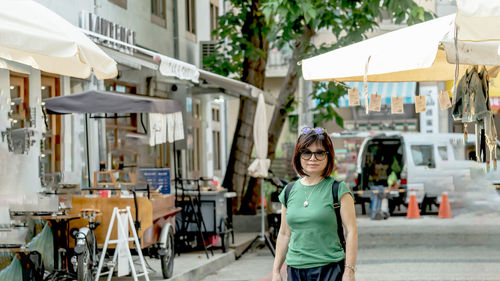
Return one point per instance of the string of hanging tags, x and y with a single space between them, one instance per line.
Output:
491 146
495 160
466 136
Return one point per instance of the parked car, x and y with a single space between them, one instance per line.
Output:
429 164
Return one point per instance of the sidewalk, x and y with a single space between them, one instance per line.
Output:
195 265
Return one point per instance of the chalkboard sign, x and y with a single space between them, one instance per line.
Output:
157 178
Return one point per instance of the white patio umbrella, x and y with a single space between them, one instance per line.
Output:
260 165
421 52
33 35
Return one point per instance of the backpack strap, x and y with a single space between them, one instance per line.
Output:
288 188
336 207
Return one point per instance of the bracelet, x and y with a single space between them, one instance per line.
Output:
353 268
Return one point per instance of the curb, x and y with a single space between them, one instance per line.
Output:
202 271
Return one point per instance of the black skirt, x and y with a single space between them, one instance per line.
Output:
329 272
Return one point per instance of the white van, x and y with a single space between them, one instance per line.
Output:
426 163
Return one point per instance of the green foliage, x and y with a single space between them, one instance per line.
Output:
286 22
326 95
234 46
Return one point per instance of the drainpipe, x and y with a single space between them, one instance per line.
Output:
176 30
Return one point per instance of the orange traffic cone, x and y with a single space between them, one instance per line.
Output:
444 207
413 211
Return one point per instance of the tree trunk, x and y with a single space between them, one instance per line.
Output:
253 73
287 91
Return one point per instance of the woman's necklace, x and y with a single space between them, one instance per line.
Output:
306 203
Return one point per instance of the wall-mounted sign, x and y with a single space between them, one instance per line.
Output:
94 23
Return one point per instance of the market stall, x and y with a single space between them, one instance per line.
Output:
462 48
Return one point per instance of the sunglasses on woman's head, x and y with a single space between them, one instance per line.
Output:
307 154
308 130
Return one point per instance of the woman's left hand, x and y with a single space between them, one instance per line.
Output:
348 275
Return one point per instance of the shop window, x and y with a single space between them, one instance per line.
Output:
214 13
191 16
216 140
215 114
51 154
19 101
217 154
121 3
194 165
118 127
423 156
120 87
158 12
196 110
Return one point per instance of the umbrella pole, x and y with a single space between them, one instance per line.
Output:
87 144
262 237
262 220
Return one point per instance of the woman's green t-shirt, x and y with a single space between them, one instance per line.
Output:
314 240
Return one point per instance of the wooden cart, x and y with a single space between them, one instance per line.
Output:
155 215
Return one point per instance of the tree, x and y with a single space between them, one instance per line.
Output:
246 30
348 20
294 23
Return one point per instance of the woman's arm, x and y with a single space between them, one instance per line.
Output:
281 245
348 214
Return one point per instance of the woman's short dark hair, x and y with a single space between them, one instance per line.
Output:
306 140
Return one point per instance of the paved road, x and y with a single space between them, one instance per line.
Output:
466 247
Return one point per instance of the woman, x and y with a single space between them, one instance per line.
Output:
308 233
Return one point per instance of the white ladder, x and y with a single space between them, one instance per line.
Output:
123 241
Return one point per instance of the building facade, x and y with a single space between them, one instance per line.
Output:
157 47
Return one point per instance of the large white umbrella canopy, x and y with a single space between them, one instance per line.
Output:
421 52
478 20
260 165
33 35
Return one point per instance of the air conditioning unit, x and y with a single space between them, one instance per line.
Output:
207 48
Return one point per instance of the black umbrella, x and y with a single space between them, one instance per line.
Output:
94 101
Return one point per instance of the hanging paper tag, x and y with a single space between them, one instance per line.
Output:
375 102
353 97
444 100
420 104
397 105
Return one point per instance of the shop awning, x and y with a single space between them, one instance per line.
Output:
33 35
421 52
94 101
175 68
386 90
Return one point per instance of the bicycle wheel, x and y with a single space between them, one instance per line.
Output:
85 260
224 235
167 256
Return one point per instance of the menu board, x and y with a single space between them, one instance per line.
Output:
157 178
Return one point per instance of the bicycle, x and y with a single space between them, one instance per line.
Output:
86 258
